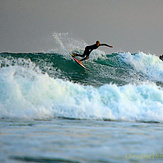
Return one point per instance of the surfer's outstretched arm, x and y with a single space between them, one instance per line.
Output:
106 45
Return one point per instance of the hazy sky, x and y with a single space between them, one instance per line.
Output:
128 25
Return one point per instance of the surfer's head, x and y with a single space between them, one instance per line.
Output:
98 43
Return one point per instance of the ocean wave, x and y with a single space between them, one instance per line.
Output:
118 68
30 94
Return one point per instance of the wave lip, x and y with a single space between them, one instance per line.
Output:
149 65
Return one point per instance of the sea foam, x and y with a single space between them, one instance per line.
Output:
29 94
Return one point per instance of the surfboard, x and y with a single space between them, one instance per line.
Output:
78 62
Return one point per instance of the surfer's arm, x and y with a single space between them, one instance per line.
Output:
106 45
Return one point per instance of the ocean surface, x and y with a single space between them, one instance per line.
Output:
53 110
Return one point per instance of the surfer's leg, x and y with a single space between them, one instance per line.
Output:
86 53
87 57
80 55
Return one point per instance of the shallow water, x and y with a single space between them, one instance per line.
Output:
65 140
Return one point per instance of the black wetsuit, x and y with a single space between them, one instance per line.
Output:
88 50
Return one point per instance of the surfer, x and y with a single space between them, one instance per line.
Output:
88 50
161 57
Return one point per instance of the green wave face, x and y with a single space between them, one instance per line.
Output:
118 68
120 86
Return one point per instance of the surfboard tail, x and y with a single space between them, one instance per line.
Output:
77 61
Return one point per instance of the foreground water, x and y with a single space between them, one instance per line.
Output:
63 140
